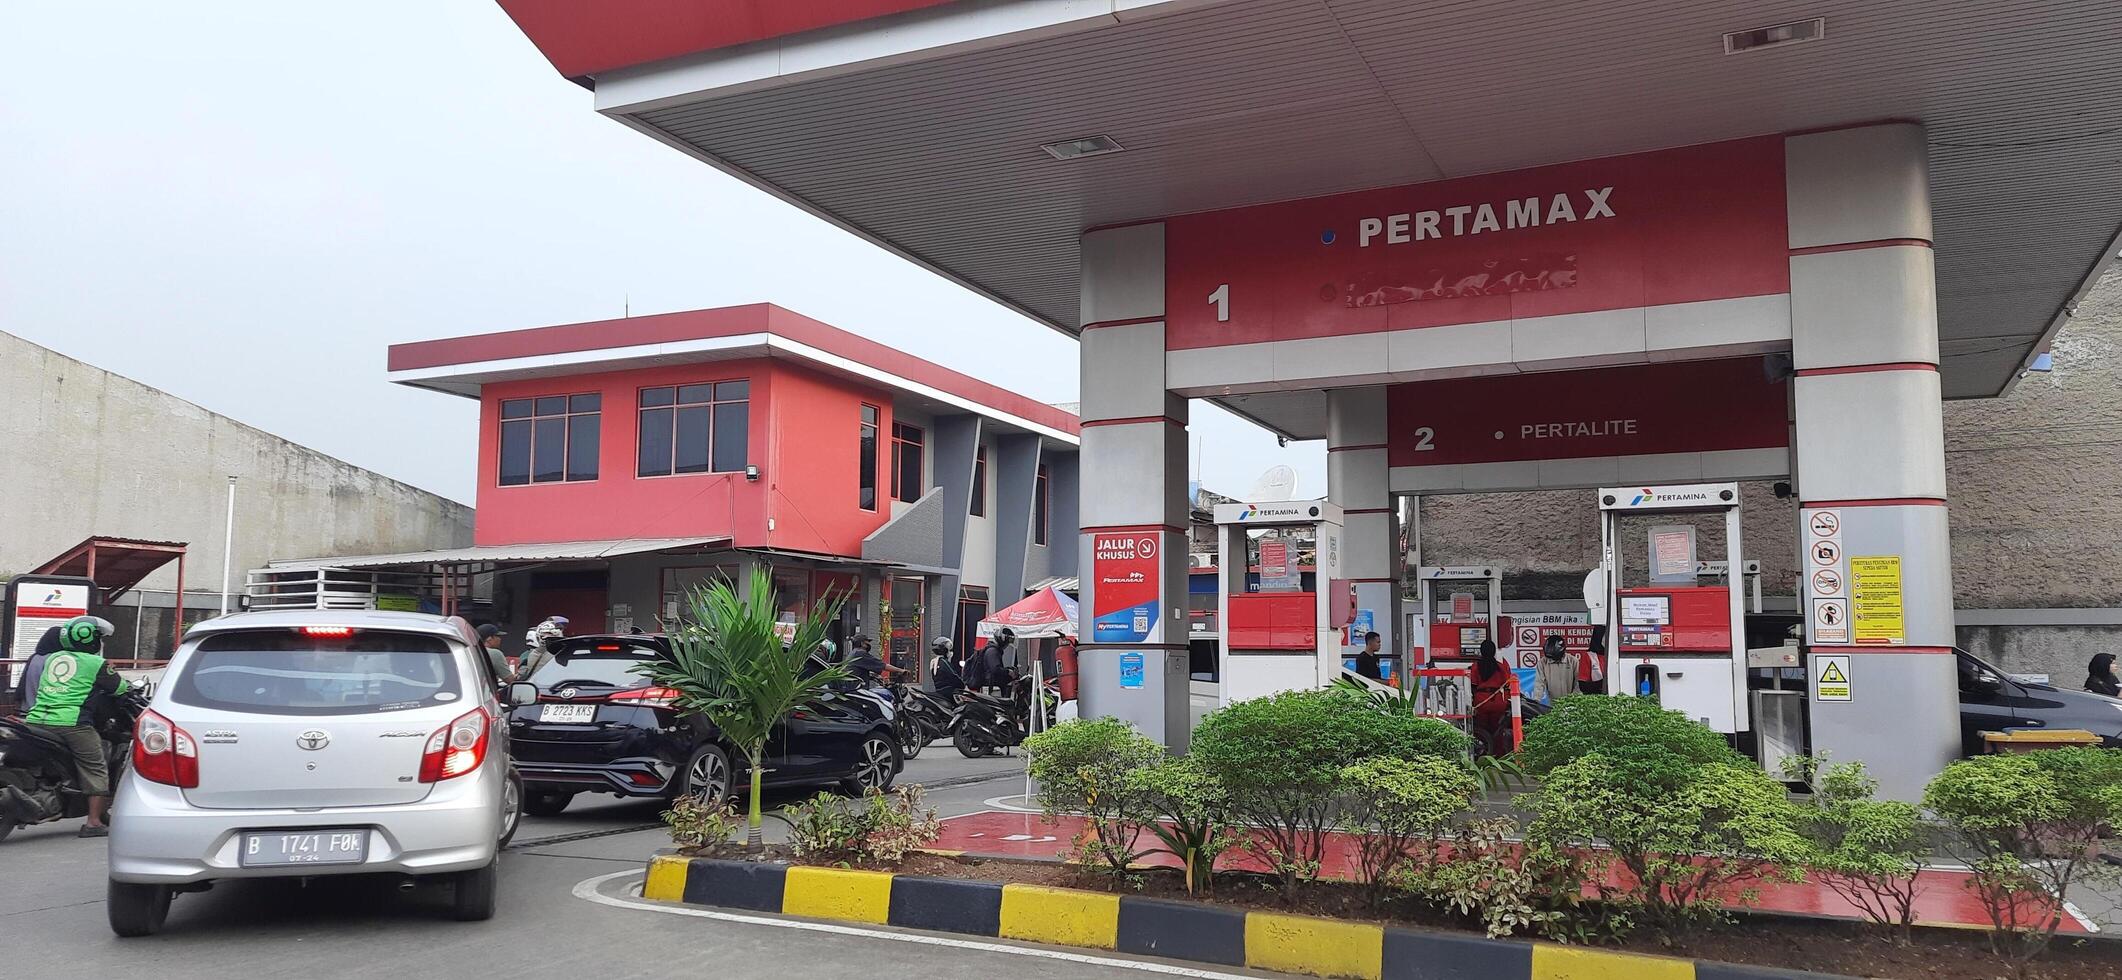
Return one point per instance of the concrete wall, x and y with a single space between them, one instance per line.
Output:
86 452
978 565
2035 485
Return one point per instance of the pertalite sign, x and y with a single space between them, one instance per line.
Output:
1655 229
1700 406
1126 572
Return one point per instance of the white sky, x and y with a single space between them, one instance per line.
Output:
244 203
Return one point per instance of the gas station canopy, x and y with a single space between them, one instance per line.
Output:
947 132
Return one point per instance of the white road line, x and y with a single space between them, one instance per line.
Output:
588 890
1003 804
2090 925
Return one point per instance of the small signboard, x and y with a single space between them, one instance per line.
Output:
1831 678
1830 621
1672 555
1277 574
1877 617
1462 607
1132 672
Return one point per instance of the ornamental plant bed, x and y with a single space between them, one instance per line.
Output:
1791 943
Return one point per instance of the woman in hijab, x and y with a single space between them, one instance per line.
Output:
1491 681
2100 676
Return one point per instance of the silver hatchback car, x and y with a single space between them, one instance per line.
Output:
302 743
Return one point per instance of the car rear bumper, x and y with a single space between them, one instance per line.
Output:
158 838
637 777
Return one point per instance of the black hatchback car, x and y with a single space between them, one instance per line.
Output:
598 727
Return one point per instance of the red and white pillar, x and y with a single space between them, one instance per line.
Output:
1132 658
1356 481
1870 452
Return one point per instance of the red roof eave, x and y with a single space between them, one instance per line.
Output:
757 318
583 38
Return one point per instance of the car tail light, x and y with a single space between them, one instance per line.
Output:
654 697
457 748
331 631
164 753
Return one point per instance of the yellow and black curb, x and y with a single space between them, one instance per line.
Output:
1178 930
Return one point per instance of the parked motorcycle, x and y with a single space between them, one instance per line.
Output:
922 719
37 779
984 724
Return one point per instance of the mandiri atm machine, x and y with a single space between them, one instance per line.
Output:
1280 633
1673 638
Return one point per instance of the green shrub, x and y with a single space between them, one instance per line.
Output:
1196 825
1280 759
2030 825
1664 745
1685 839
1512 888
1866 850
881 828
1083 767
1401 807
696 823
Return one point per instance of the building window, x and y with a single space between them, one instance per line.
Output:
1040 508
907 447
867 498
979 505
702 428
549 439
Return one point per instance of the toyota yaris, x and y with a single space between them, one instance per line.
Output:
294 744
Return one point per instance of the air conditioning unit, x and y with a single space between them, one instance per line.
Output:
1200 559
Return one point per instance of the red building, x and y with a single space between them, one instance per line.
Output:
622 461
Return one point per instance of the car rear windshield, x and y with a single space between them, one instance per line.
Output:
609 663
290 672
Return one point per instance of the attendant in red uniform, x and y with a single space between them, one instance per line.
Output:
1492 700
1591 668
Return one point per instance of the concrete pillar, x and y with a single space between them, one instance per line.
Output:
1870 448
1356 482
1133 657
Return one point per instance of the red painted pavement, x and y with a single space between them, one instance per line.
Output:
1944 901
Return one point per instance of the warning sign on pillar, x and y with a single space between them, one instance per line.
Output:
1826 574
1875 594
1831 679
1830 621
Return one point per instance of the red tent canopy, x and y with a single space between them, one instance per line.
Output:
1047 612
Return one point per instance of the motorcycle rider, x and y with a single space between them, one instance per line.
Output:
949 682
868 667
70 678
994 669
33 670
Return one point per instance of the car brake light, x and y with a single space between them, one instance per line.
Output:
654 697
456 748
327 631
164 753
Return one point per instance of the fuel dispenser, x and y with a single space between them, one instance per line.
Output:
1674 638
1456 607
1280 633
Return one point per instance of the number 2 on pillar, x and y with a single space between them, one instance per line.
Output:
1220 299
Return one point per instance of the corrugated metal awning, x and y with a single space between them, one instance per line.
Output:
1066 583
554 551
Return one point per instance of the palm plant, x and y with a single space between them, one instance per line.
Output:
730 665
